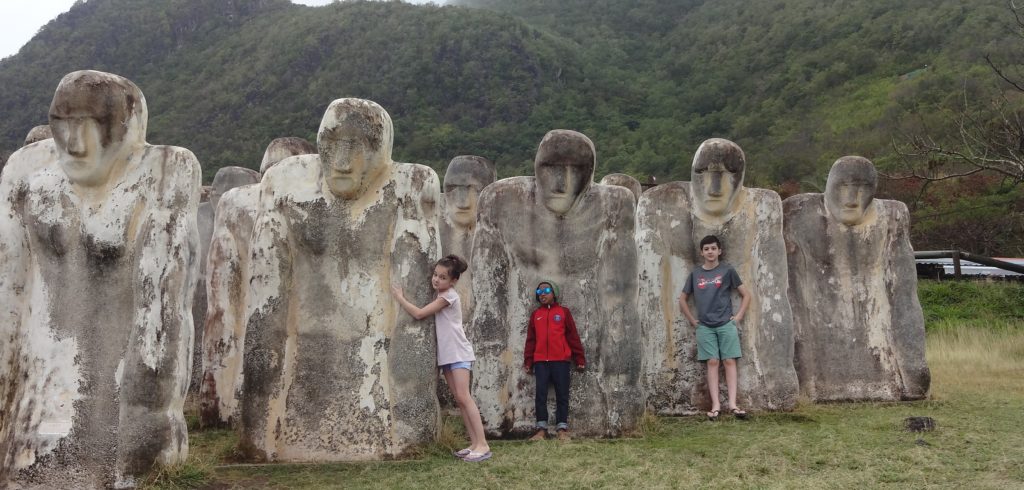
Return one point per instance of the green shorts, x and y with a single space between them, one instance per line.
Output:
718 342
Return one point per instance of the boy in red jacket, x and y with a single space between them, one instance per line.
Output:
551 343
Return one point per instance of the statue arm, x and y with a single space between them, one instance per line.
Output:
908 334
618 283
223 327
267 324
13 281
491 269
158 360
415 246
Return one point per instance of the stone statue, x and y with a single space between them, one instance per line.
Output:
627 181
562 227
332 371
671 220
465 177
225 179
99 238
227 281
858 324
38 133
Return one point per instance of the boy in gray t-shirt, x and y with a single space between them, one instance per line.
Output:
711 286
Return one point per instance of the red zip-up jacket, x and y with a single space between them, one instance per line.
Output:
551 336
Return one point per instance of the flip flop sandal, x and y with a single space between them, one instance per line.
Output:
713 415
740 414
477 457
461 453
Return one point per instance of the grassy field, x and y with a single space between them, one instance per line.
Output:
977 400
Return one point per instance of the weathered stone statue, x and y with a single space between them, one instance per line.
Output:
465 178
98 266
623 180
557 226
225 179
853 285
227 281
671 220
38 133
332 371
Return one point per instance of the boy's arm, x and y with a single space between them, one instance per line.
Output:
684 307
572 336
531 342
745 295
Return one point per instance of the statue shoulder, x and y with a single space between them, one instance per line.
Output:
27 161
764 195
672 197
175 171
242 198
515 190
615 199
802 203
892 211
292 173
415 178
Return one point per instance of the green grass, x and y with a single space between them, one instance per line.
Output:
976 398
947 303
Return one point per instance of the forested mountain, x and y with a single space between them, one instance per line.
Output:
797 83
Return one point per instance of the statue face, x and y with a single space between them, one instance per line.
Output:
81 148
354 143
717 176
460 193
465 177
349 160
565 169
850 189
96 118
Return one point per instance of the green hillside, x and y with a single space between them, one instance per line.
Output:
797 83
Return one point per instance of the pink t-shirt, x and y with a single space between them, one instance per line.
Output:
452 344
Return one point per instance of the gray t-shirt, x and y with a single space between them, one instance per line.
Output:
711 292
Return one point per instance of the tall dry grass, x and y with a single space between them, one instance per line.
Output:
972 356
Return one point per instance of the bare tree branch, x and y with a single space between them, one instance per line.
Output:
988 59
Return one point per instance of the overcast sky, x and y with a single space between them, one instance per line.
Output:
21 19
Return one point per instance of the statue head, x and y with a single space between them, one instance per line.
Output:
717 176
354 143
850 189
282 148
38 133
466 176
228 178
564 167
97 120
623 180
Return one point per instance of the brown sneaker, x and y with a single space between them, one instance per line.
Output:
540 435
563 435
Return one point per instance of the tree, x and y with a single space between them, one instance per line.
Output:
982 133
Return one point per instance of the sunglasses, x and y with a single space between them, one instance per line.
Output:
543 290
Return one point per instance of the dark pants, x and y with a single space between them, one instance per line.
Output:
556 373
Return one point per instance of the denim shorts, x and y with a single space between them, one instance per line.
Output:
467 365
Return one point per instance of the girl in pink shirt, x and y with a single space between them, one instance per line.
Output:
454 352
